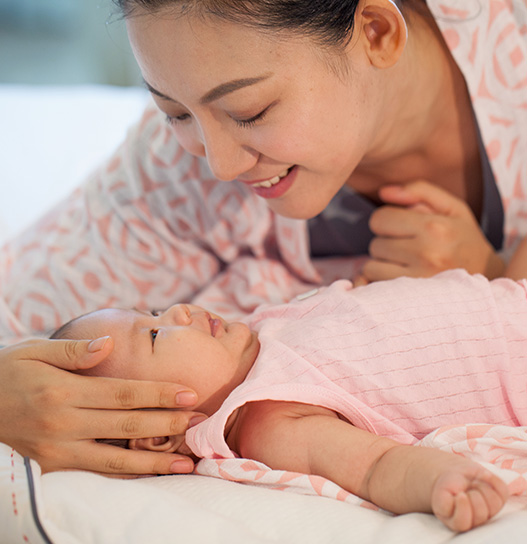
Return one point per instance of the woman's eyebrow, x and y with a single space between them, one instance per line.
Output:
231 86
216 92
158 93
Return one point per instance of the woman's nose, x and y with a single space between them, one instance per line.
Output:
227 157
178 314
229 164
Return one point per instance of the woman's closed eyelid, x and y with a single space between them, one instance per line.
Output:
247 123
243 123
175 119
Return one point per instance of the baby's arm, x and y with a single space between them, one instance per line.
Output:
398 478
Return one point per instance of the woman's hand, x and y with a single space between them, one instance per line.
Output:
55 416
423 230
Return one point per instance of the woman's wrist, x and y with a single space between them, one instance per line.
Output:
495 267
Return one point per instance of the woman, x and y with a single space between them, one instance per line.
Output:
296 132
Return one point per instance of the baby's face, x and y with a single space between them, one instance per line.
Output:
184 344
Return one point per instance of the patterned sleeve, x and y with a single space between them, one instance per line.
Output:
149 228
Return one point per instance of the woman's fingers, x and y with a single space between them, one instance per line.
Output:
52 415
65 354
93 424
92 392
435 199
111 460
119 394
394 222
375 270
424 230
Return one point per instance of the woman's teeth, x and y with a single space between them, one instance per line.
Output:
273 181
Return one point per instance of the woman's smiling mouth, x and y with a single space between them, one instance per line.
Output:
275 186
272 181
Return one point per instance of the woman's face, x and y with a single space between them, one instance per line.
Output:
271 114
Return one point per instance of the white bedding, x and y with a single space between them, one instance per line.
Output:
83 508
41 164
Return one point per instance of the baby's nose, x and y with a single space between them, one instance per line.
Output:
178 314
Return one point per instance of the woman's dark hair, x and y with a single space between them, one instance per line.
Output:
329 22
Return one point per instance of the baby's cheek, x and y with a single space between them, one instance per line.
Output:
111 367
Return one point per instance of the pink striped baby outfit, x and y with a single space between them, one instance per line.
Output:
398 358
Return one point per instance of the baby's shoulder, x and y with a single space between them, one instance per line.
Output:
281 408
264 427
268 419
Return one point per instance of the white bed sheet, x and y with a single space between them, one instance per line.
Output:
50 139
83 508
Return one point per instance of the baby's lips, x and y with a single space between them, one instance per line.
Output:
215 324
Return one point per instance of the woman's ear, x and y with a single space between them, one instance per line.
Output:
166 444
384 31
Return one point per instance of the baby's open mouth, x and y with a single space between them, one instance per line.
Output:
214 326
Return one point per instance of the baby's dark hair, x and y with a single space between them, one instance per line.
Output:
65 332
329 22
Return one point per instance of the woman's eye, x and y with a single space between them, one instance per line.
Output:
175 119
153 335
248 123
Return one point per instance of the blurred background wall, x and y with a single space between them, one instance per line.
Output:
69 90
64 42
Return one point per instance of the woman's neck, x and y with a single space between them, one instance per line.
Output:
429 130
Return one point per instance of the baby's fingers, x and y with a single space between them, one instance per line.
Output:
494 491
462 518
463 514
464 510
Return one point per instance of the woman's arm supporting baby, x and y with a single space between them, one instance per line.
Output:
399 478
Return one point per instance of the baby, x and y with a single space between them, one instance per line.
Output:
343 382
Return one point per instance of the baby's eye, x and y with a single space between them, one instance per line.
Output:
155 313
153 335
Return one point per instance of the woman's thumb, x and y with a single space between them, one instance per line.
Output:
74 354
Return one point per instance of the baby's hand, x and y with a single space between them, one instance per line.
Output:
467 495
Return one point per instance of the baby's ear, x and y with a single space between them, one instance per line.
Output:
166 444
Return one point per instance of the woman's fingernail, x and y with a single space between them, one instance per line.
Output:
98 344
177 467
186 398
196 420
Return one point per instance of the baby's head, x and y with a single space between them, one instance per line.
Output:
184 344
